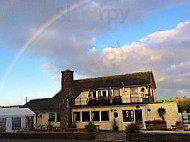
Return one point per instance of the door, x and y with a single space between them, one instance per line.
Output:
138 115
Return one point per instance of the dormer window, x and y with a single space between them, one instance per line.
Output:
116 92
134 91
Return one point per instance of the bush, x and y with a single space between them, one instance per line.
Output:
133 128
90 127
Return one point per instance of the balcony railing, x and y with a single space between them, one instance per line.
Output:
119 100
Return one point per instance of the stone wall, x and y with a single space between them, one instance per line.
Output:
67 92
158 137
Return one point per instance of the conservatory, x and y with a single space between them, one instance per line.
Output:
16 119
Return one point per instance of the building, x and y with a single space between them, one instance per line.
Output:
126 98
16 119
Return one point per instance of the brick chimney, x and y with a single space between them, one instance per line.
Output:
67 92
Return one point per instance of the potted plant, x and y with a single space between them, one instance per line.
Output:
115 127
73 125
161 112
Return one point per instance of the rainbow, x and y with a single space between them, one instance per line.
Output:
36 34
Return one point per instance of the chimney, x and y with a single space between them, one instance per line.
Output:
67 92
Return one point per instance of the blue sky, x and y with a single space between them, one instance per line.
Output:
95 46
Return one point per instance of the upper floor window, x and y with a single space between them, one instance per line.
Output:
134 91
99 94
116 92
104 93
94 94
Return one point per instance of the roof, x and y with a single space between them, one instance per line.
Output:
46 104
15 112
132 79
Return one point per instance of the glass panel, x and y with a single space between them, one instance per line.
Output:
2 124
94 94
104 93
116 92
104 115
29 122
99 94
85 116
134 91
128 116
95 116
16 123
58 117
52 117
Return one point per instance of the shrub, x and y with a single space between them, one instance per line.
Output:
133 128
90 127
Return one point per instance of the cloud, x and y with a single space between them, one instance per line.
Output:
69 42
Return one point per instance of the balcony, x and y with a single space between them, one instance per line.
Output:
117 100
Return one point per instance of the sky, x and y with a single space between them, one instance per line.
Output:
94 38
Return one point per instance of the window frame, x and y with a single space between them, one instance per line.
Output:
132 92
58 117
29 122
89 116
51 116
14 120
80 116
98 114
101 116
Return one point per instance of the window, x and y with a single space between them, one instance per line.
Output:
104 93
116 92
85 116
58 117
29 122
99 94
76 116
94 94
52 117
128 115
134 91
104 115
95 116
2 124
16 123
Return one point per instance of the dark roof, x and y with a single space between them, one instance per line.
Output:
47 104
133 79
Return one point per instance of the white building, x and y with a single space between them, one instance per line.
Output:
16 119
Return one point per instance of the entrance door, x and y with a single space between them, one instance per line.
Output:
138 115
